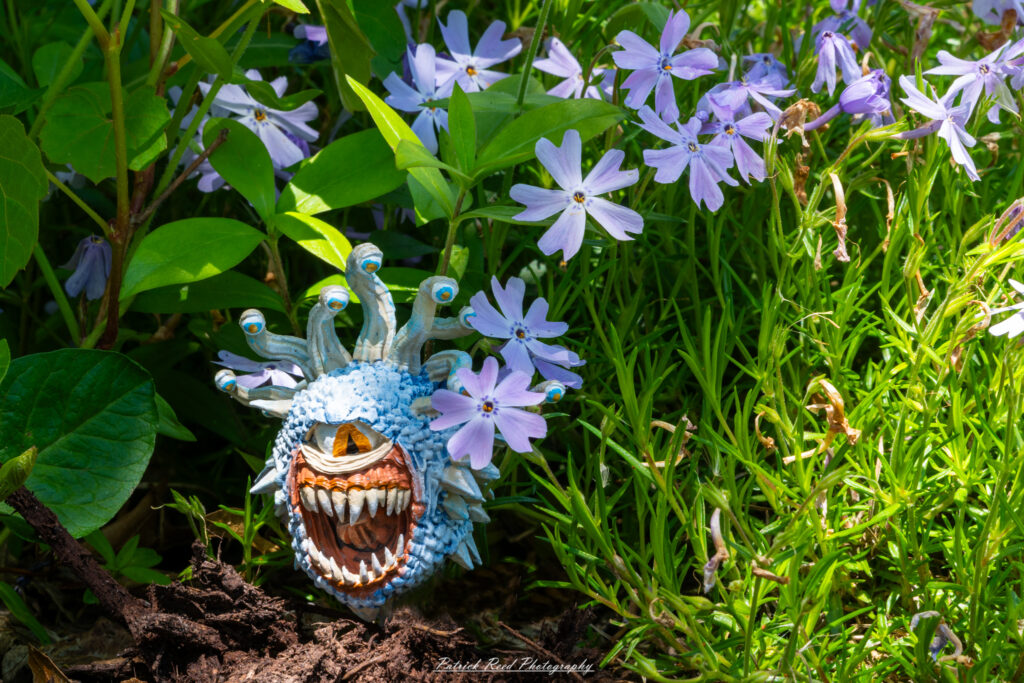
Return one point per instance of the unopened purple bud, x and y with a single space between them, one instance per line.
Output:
91 263
867 95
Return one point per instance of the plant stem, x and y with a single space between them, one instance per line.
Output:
532 52
277 268
449 241
126 17
220 29
104 226
58 293
94 22
166 43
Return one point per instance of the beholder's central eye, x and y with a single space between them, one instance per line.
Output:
488 407
260 115
578 197
350 441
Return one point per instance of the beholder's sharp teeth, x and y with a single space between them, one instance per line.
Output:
338 502
392 500
308 497
406 499
356 497
336 571
374 498
363 575
400 546
349 578
324 562
323 496
389 557
377 569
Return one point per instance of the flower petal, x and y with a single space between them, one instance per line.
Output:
487 320
606 176
540 203
456 34
540 326
454 407
617 220
638 54
510 298
676 26
563 163
519 426
566 234
475 439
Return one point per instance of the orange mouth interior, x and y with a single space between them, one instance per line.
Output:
358 524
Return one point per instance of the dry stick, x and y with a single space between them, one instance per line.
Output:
364 664
203 156
551 655
111 595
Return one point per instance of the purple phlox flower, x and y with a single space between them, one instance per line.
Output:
987 75
866 96
404 18
524 351
279 373
209 179
734 94
470 67
91 263
847 22
653 69
729 133
488 405
578 196
419 96
1013 325
561 63
313 48
949 121
764 66
269 124
707 163
992 11
834 49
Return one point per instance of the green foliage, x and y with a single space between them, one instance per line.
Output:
351 51
79 129
229 289
321 239
50 59
209 53
17 607
349 171
189 250
243 161
131 561
22 184
92 415
15 471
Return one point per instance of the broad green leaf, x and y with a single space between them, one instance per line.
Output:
315 236
381 26
515 142
79 129
50 59
230 289
15 95
293 5
394 129
17 607
22 185
462 129
93 417
187 251
243 161
14 473
5 358
168 424
264 93
352 170
399 246
209 54
414 155
267 50
351 52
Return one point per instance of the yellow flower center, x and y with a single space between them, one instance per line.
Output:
260 115
471 71
579 197
487 407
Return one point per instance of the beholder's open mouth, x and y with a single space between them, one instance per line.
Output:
358 523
